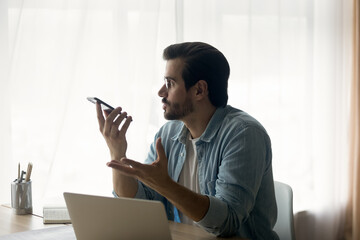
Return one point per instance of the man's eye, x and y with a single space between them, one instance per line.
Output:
169 83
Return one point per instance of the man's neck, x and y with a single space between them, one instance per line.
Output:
198 120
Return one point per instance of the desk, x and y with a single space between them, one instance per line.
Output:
11 223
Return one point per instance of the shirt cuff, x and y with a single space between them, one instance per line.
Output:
216 215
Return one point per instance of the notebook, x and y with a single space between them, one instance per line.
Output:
56 214
96 217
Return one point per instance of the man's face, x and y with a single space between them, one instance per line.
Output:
177 101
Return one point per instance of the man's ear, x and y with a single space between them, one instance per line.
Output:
201 89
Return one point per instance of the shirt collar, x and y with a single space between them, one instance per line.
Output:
210 131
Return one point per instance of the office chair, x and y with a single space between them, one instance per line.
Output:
284 225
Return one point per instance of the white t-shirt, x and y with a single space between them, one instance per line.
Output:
189 174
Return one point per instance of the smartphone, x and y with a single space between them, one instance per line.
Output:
104 106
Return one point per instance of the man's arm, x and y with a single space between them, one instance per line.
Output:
155 176
124 186
193 205
233 193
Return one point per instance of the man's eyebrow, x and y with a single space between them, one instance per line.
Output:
170 78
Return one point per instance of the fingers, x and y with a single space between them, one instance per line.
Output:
126 125
107 112
109 117
111 126
100 117
127 166
107 125
123 168
117 122
132 163
109 121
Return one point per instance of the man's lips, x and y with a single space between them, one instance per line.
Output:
165 102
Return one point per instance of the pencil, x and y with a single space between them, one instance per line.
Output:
28 172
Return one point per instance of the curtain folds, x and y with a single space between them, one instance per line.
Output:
290 68
5 124
353 208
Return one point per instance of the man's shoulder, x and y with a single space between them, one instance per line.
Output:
239 119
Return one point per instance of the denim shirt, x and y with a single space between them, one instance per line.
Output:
235 172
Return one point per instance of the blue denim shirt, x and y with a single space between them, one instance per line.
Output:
235 172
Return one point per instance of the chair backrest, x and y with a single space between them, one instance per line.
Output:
284 226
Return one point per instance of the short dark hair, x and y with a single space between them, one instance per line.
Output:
203 62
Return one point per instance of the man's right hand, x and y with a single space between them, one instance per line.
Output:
109 128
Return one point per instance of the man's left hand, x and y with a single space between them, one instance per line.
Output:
154 175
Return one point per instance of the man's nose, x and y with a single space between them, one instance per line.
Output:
163 91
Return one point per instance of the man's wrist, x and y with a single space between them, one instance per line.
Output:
117 158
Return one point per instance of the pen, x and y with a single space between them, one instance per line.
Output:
21 177
18 171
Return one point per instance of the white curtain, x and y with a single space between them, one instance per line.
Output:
60 52
290 69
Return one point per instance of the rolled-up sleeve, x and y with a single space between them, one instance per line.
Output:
215 216
234 193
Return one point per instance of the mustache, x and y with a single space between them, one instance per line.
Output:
165 101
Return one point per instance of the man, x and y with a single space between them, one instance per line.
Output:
210 164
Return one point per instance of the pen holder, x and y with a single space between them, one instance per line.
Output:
21 198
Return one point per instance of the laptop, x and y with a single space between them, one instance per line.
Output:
96 217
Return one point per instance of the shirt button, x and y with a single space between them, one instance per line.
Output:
181 154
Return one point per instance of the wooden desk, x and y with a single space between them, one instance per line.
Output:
11 223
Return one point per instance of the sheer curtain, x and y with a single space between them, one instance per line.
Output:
353 207
5 133
290 68
60 52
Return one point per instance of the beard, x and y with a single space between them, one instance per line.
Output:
174 111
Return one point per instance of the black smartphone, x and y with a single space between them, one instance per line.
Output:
104 106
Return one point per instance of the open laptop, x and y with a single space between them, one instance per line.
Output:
95 217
